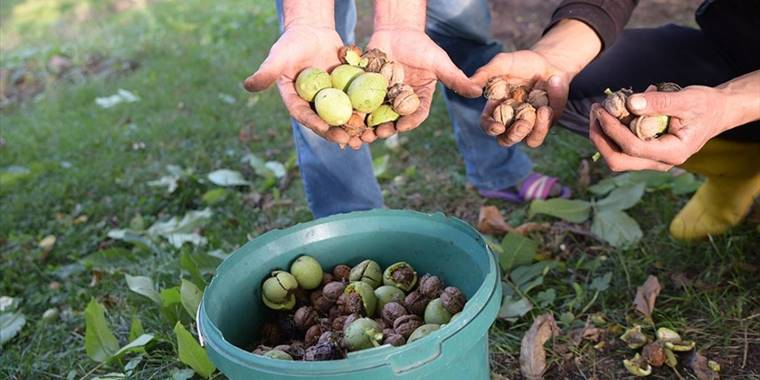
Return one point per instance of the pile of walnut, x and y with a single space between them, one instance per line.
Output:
318 315
517 102
644 127
363 93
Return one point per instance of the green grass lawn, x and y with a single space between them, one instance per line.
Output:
74 170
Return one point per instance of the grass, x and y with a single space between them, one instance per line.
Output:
83 160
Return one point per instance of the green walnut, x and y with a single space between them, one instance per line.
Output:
369 300
307 271
342 76
665 334
634 338
278 291
278 354
422 332
436 314
682 346
367 92
382 114
310 81
333 106
363 333
387 294
367 271
637 366
400 275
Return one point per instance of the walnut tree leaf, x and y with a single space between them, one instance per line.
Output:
646 295
532 353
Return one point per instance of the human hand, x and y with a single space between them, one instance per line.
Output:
697 114
299 47
533 70
424 64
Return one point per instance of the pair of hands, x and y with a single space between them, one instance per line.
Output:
697 113
303 46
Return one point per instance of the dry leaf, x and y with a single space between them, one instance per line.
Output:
491 222
646 296
698 364
529 227
588 332
532 354
47 243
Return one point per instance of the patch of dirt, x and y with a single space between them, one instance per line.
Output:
21 83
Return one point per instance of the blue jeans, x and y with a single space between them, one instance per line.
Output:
338 181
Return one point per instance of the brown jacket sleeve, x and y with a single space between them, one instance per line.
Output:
606 17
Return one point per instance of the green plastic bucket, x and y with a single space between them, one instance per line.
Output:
231 310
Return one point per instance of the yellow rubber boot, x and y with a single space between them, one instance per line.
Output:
733 181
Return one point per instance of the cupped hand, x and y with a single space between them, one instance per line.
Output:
300 47
697 114
424 64
532 69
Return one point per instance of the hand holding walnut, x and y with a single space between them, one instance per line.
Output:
526 77
300 47
696 115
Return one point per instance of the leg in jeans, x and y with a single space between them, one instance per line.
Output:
684 56
335 180
463 29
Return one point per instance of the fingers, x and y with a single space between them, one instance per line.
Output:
369 136
454 78
500 64
269 71
557 89
666 148
617 160
489 125
516 133
409 122
355 143
385 130
541 128
662 103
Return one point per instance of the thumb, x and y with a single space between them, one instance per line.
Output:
455 79
501 64
269 71
557 89
658 103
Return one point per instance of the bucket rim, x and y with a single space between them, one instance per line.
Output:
211 337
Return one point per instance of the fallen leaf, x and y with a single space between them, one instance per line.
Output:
646 295
491 222
121 96
529 227
702 371
587 332
226 177
10 325
532 353
47 243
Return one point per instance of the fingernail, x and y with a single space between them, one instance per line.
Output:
637 102
555 81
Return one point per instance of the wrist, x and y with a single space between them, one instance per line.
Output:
570 46
400 14
318 14
742 105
